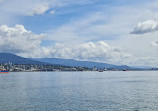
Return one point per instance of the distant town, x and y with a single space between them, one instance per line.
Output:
39 68
13 63
34 68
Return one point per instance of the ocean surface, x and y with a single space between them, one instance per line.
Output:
79 91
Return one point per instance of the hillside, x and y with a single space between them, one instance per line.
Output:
8 57
74 63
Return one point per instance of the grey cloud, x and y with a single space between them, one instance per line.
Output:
38 9
145 27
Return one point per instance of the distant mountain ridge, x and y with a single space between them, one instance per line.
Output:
75 63
8 57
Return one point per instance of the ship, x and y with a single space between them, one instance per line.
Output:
3 70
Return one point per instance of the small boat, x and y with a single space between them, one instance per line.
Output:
100 70
4 71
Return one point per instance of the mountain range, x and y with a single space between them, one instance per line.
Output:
75 63
8 57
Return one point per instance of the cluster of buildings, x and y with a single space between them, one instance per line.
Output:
33 68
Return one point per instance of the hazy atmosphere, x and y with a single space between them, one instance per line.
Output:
108 31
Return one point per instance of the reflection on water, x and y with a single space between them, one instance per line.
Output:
79 91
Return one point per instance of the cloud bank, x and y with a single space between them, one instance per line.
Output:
18 40
98 51
145 27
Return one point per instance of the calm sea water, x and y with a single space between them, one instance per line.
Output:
79 91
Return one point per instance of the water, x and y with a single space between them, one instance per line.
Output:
79 91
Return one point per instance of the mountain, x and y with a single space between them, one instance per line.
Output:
75 63
8 57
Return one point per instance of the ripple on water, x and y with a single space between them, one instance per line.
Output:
79 91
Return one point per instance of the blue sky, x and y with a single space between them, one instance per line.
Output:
67 13
110 31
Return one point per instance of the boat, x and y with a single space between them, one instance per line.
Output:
4 71
100 70
124 70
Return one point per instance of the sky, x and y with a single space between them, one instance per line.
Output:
121 32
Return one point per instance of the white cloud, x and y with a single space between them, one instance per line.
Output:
155 43
38 9
18 8
18 40
145 27
94 51
34 7
52 12
99 52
